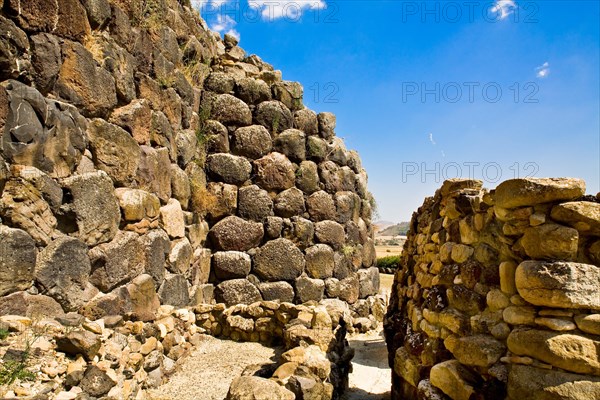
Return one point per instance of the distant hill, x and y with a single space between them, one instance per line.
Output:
395 230
381 225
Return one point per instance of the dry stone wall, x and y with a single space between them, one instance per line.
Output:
498 294
146 161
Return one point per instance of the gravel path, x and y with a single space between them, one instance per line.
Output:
207 373
371 376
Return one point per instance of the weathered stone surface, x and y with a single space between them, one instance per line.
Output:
180 256
63 269
254 203
79 342
452 378
174 291
306 121
307 177
229 168
17 260
478 350
256 388
581 215
46 60
13 51
347 207
95 206
252 141
559 284
237 291
331 233
289 203
252 91
231 111
299 230
171 219
406 367
156 248
231 264
320 261
137 205
526 382
98 12
531 191
274 172
327 123
143 297
114 150
274 116
24 204
235 234
589 323
23 303
218 137
369 282
96 382
117 262
154 172
289 93
551 242
292 143
281 291
515 315
350 289
220 200
180 186
567 351
83 84
308 289
278 260
321 206
54 146
220 82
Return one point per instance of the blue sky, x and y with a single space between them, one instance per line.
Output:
428 90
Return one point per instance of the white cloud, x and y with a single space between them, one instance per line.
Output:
431 139
504 8
289 9
225 24
543 70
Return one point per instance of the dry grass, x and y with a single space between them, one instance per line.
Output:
385 251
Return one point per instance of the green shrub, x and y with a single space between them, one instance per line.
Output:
392 262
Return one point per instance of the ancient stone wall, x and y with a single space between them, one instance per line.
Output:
498 295
146 161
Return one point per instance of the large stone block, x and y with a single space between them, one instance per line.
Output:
581 215
117 262
231 264
452 378
281 291
559 284
63 270
551 242
308 289
274 172
531 191
320 261
254 203
252 141
279 260
17 260
237 291
85 85
229 168
570 352
478 350
526 382
234 233
231 111
95 206
44 133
